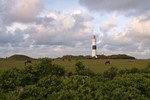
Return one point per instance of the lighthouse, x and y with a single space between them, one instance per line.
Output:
94 47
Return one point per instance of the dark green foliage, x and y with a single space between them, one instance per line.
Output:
31 92
149 64
86 72
76 57
111 73
10 79
69 74
57 70
44 81
48 81
81 70
128 71
79 67
45 67
28 76
133 86
119 56
78 87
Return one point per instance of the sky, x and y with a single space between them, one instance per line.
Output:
53 28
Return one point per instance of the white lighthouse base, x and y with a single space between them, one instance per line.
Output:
94 54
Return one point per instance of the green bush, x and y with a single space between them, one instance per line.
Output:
10 79
81 70
79 67
45 67
149 64
111 73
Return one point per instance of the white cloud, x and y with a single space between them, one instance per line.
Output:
132 39
25 29
68 22
16 26
65 29
108 25
21 10
129 35
53 34
140 28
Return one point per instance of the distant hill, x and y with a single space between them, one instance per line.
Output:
19 57
1 58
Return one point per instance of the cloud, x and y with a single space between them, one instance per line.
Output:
8 37
20 10
65 29
132 7
107 25
27 28
133 38
53 34
122 34
15 35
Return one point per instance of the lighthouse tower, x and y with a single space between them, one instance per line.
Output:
94 47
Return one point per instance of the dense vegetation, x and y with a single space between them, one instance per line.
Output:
119 56
47 81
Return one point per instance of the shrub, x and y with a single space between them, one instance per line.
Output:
10 79
86 72
79 66
149 64
111 73
45 67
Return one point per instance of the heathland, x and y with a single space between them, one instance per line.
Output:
46 79
96 65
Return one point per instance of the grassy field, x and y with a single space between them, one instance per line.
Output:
97 65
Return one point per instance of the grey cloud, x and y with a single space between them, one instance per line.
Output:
131 41
124 45
8 37
49 31
20 10
44 20
134 38
123 6
105 28
67 38
82 17
58 34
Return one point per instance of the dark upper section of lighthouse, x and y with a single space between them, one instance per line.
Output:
94 37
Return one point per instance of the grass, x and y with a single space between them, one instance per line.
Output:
6 64
97 65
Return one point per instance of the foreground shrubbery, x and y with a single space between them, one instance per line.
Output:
47 81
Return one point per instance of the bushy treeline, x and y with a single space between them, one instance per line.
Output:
47 81
119 56
76 57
